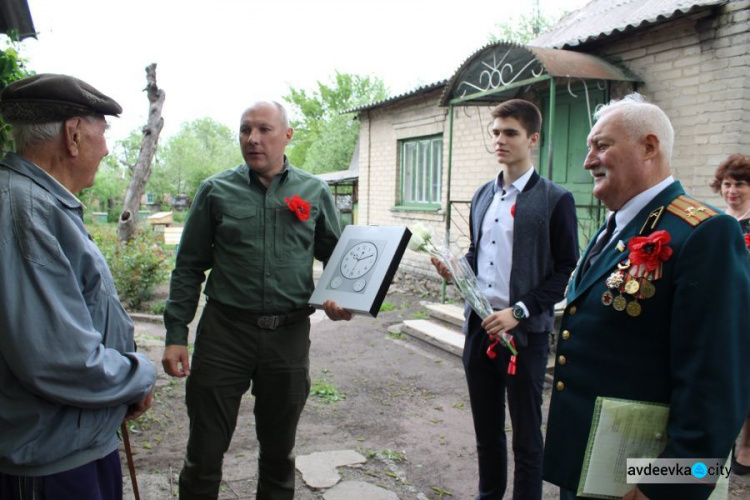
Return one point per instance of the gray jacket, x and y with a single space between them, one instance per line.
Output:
67 367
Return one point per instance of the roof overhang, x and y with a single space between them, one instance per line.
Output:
499 71
340 177
15 15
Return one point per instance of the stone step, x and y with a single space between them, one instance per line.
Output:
449 339
449 313
435 334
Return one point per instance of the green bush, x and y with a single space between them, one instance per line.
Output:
158 308
179 217
113 214
137 267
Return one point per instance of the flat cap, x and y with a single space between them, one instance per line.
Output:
48 97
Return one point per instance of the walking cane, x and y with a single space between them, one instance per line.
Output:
129 457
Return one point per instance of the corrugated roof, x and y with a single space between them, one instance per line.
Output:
411 93
604 18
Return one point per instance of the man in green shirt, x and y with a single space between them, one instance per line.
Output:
257 227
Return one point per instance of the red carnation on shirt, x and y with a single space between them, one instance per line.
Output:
300 207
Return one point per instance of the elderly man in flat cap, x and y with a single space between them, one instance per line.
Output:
69 375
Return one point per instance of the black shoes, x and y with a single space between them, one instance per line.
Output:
738 468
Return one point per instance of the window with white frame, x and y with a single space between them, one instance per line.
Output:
421 171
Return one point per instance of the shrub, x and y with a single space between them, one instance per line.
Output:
137 267
179 217
158 308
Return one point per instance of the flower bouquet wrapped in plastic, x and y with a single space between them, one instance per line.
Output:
463 276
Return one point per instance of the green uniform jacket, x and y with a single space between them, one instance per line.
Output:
689 347
259 252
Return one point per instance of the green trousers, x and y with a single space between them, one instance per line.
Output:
231 355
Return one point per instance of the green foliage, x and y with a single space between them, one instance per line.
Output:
137 267
387 306
200 149
524 28
421 315
326 392
158 308
441 492
324 139
386 454
109 187
12 68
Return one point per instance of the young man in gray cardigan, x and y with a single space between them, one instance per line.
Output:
524 247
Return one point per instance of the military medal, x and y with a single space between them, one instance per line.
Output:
648 289
607 298
634 309
619 303
615 280
632 286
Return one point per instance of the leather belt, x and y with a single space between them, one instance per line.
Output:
265 321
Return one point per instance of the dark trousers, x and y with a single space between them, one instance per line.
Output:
488 381
568 495
98 480
230 354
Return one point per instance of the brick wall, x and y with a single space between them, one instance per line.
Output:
696 69
473 163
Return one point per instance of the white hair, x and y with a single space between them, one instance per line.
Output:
29 135
642 118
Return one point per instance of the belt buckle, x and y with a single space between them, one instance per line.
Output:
268 322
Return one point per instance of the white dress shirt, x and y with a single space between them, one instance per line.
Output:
495 256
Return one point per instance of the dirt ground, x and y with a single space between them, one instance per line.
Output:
399 402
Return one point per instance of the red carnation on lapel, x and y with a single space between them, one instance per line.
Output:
300 207
650 250
747 240
513 210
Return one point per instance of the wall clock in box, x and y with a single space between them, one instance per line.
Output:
361 268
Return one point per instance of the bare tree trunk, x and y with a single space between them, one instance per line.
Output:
127 225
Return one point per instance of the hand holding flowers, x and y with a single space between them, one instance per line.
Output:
460 272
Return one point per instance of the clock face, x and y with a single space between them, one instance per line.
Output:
358 260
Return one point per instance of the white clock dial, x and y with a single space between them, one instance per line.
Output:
359 260
359 285
336 282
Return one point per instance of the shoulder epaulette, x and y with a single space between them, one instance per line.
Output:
691 211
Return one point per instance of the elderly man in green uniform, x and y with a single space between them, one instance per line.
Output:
257 227
654 311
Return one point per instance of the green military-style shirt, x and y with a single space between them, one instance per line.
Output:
259 252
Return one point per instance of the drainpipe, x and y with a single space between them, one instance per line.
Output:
448 189
551 126
369 163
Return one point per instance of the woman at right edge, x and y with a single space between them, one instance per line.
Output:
732 179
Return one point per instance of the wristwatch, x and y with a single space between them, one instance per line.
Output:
518 312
